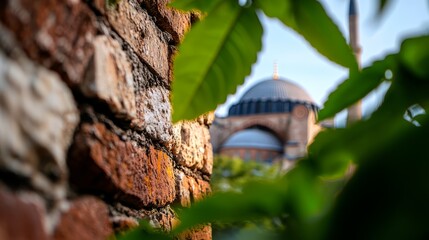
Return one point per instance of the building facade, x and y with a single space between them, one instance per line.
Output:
274 120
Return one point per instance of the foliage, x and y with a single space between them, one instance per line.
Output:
230 174
386 197
217 54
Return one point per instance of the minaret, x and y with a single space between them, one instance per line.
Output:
276 72
355 111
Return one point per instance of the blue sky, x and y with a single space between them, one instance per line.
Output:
298 62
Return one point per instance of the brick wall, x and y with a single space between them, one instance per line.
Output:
87 147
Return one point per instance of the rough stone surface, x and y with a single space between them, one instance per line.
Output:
168 19
101 161
154 113
38 117
190 189
55 33
135 25
192 146
20 220
110 79
87 219
124 217
85 110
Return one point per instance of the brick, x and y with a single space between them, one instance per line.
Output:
190 189
55 33
191 146
136 26
161 218
100 161
20 220
87 219
168 19
198 233
38 117
154 113
110 79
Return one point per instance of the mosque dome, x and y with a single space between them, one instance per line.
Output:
272 96
253 138
276 89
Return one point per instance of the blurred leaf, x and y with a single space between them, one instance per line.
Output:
144 231
187 5
214 58
415 55
356 87
258 199
382 5
308 18
387 198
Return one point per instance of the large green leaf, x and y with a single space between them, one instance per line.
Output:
308 18
356 87
215 57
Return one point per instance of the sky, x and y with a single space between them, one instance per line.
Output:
298 62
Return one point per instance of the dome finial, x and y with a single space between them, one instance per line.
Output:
275 72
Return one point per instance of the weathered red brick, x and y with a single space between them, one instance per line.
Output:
55 33
161 218
168 19
87 219
190 189
101 161
20 220
137 28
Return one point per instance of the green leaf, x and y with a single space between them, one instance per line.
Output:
356 87
415 56
308 18
187 5
252 203
144 231
215 57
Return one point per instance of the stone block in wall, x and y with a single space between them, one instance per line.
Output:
190 189
86 219
20 219
139 30
173 21
154 113
124 217
55 33
38 117
109 78
101 161
191 146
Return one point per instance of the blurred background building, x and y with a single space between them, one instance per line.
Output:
273 121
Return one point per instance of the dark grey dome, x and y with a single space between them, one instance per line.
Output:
253 138
272 96
276 90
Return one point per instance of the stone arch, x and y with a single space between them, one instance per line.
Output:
260 123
